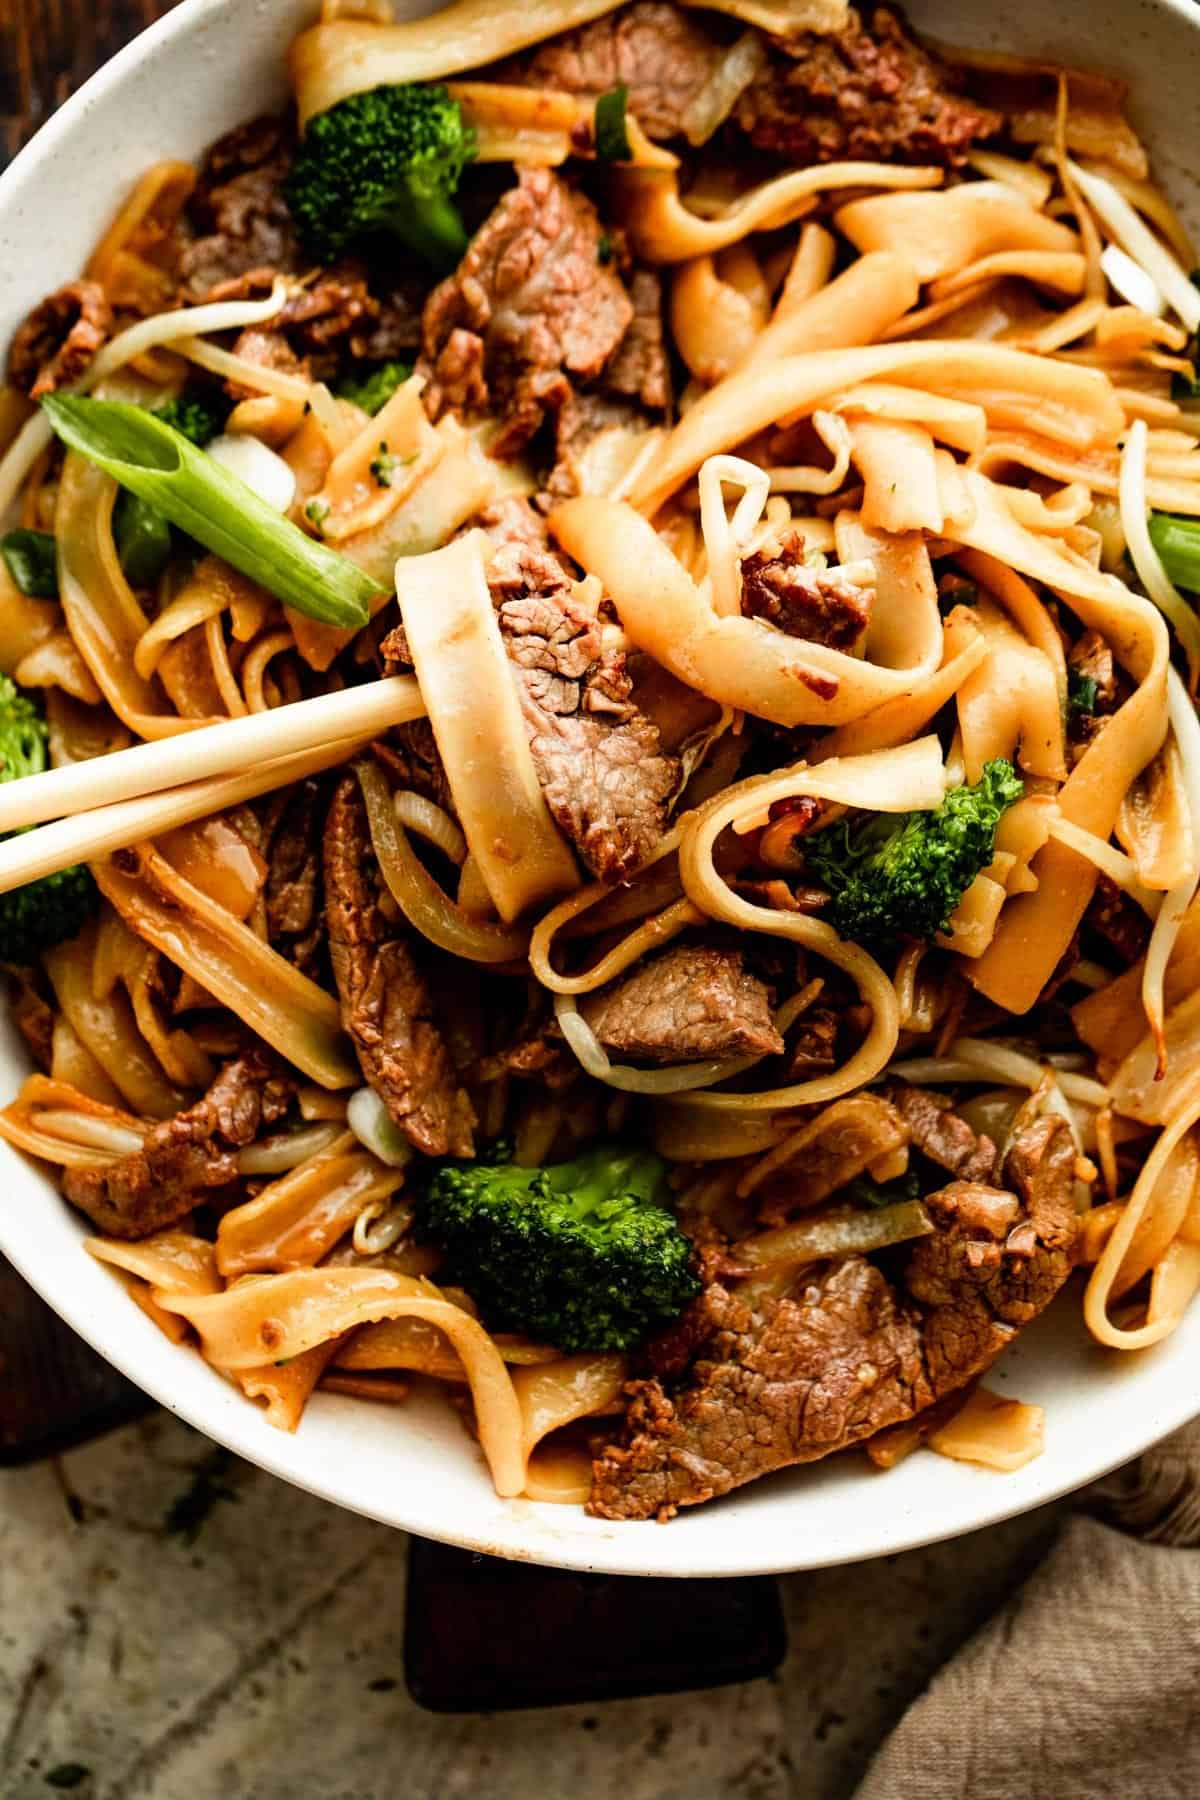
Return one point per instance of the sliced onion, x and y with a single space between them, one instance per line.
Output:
80 1128
1132 282
1135 237
415 813
975 1059
683 1077
276 1155
841 1231
264 472
376 1131
424 904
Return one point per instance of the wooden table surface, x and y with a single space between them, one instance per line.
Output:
47 47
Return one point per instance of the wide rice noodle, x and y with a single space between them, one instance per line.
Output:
460 662
1069 405
275 1317
736 661
293 1014
945 232
663 229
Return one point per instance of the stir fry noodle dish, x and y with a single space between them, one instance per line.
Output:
601 774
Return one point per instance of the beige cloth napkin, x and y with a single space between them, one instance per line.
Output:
1086 1685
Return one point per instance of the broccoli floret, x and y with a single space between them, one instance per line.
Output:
894 876
388 160
198 412
43 913
374 389
583 1255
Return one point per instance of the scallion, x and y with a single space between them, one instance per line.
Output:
213 505
611 130
143 540
31 559
1178 544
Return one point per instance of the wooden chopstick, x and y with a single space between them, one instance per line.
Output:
86 837
189 756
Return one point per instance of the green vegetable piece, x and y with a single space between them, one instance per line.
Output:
44 912
610 128
214 506
198 412
862 1191
604 249
1082 691
897 876
31 558
388 160
1178 544
583 1255
143 539
373 390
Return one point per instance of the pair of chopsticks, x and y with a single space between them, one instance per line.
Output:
114 801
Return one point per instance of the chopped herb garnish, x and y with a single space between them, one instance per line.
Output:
611 129
1178 544
316 512
1082 692
32 560
384 466
604 248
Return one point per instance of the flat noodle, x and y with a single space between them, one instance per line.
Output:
296 1221
555 1394
1010 706
714 324
285 1388
663 229
104 617
224 956
458 654
281 1316
946 232
1106 1273
1037 927
900 480
105 1024
736 661
1074 407
898 720
855 308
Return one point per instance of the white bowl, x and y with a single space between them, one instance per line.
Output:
207 66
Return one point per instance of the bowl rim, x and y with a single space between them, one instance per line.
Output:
511 1532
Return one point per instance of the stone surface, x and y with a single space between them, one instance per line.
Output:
183 1627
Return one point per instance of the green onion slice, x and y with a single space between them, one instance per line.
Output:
158 464
611 132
